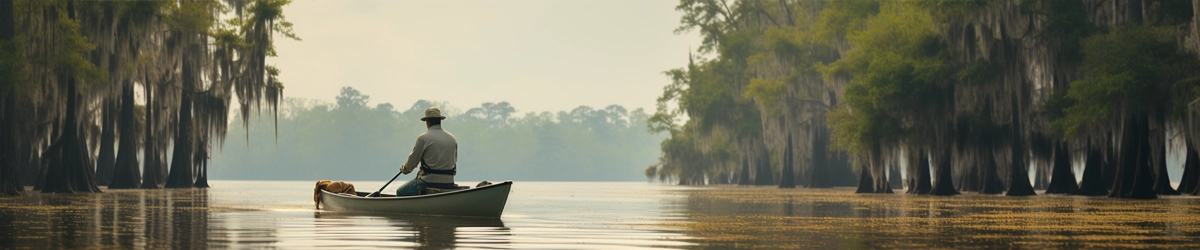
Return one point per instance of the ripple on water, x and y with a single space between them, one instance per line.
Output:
540 215
244 214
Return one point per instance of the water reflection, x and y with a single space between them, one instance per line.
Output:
423 232
123 219
739 217
280 214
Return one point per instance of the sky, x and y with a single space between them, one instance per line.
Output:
538 55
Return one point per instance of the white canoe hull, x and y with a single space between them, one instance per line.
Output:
486 201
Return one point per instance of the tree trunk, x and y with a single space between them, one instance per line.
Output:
181 160
918 174
894 179
969 182
881 183
47 156
910 167
10 177
1040 178
818 176
8 21
1063 179
1135 177
989 180
1041 148
70 169
31 171
744 175
10 171
1018 175
945 182
1162 182
126 175
1111 168
866 184
10 181
106 159
787 177
152 170
39 170
879 165
1093 183
202 167
762 174
1191 171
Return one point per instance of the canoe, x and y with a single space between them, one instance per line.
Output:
485 201
418 222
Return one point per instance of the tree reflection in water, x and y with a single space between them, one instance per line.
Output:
155 219
280 214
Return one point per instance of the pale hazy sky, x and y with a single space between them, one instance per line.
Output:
538 55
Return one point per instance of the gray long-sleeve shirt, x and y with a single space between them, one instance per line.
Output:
436 149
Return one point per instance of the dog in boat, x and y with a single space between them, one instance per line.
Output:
337 187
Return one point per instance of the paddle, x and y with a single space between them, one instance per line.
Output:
377 193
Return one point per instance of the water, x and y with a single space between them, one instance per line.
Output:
282 214
558 215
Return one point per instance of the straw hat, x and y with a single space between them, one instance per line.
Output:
433 113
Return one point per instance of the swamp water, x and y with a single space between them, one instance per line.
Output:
557 215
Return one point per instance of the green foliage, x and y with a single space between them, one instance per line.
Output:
896 71
711 17
856 130
953 9
975 72
1066 21
195 17
229 38
767 91
799 47
351 99
71 45
842 18
1056 106
273 77
67 56
703 92
269 13
142 11
354 139
665 118
785 57
1131 69
651 171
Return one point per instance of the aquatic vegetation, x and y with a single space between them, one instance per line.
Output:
746 217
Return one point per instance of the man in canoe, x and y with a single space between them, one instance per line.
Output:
437 152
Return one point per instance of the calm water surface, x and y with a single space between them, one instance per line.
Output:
281 214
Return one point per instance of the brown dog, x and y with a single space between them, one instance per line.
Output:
333 187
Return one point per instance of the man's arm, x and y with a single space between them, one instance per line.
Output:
414 158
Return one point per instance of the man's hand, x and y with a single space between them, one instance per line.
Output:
405 171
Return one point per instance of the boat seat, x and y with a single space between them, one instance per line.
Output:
430 190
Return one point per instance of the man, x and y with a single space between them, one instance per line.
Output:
437 152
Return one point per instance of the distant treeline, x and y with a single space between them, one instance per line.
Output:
355 140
